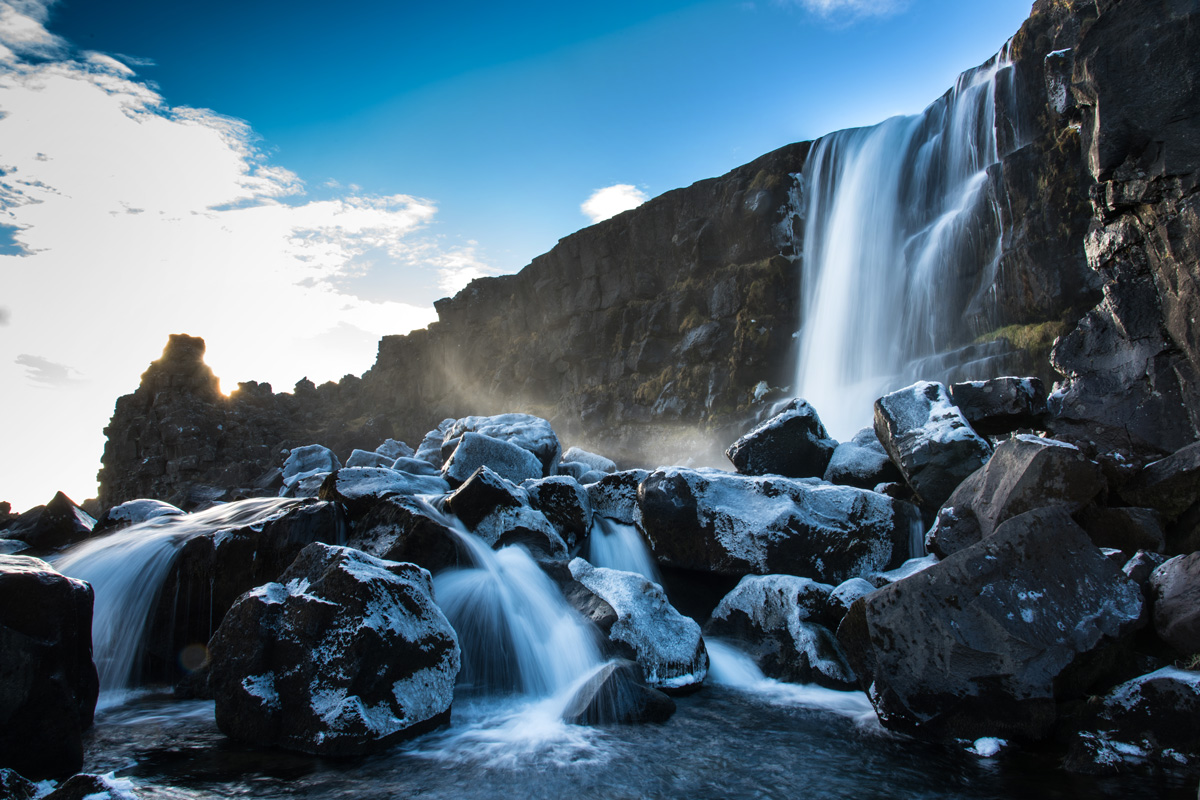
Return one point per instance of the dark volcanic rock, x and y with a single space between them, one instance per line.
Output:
615 495
1001 405
987 642
793 443
666 645
346 655
1026 472
402 528
776 617
94 787
56 524
48 683
482 493
862 462
929 439
530 433
738 525
1171 485
475 450
359 488
1175 587
565 503
15 787
1126 529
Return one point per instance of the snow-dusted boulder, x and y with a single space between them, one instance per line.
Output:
776 618
929 439
592 476
989 641
481 493
15 787
616 694
1001 405
665 644
523 526
430 448
1150 720
862 462
531 434
345 655
1175 587
1026 472
590 460
415 466
713 521
845 594
365 458
576 469
48 684
358 488
565 503
1141 566
615 495
393 449
474 450
57 524
132 512
87 786
307 462
793 443
405 528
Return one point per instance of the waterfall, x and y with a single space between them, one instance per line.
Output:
901 246
618 545
127 569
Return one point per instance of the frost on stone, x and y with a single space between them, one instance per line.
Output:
360 483
530 433
667 644
308 461
987 746
262 687
591 460
134 511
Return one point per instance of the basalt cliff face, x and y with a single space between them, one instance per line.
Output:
646 336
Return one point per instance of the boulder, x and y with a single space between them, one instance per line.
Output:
709 520
1170 485
1140 567
988 641
590 460
403 528
565 504
481 493
775 618
616 495
1026 472
57 524
506 526
363 458
1150 720
359 488
474 450
616 694
307 462
1002 405
930 440
592 476
532 434
844 595
1175 587
1126 529
132 512
15 787
346 655
793 443
86 786
862 462
666 645
430 448
394 450
415 466
48 683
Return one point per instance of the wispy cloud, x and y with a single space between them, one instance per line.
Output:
849 10
612 200
23 32
44 372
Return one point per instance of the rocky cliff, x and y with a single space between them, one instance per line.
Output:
651 336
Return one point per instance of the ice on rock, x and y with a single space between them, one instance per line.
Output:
393 449
591 460
363 458
307 462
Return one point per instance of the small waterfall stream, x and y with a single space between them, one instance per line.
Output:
901 245
619 545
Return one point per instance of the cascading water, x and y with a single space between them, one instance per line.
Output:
127 569
618 545
901 245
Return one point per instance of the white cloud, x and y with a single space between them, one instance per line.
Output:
612 200
851 9
134 219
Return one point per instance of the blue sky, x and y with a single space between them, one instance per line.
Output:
293 180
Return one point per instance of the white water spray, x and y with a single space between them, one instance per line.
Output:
895 216
619 545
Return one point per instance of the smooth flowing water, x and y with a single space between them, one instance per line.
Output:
126 570
896 218
619 545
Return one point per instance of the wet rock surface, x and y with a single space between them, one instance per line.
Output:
793 443
348 654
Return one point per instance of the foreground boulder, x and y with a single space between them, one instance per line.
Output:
1026 472
929 439
775 617
988 641
1001 405
705 519
403 528
793 443
346 655
565 503
664 643
1175 587
1148 720
48 683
